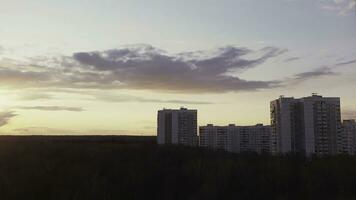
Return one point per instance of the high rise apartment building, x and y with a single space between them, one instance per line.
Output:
309 125
177 127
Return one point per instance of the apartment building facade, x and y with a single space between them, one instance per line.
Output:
237 139
177 126
349 131
309 125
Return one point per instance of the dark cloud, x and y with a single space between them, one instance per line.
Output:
21 78
143 67
5 117
291 59
52 108
319 72
322 71
346 63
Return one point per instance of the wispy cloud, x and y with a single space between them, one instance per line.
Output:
52 108
349 62
56 131
5 117
291 59
33 96
322 71
43 131
342 7
129 98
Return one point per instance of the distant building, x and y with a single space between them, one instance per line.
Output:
215 137
253 139
349 131
236 138
177 127
309 125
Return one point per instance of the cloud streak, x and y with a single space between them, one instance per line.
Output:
322 71
52 108
56 131
128 98
346 63
342 7
291 59
33 96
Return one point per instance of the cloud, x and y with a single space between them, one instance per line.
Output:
148 68
129 98
5 117
319 72
346 63
342 7
52 108
43 131
1 50
143 67
33 96
23 78
291 59
56 131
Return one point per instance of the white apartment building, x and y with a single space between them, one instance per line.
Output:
216 137
177 126
309 125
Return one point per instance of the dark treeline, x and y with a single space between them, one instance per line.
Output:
136 168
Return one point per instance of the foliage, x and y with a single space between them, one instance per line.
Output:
136 168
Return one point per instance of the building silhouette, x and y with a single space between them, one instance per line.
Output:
306 126
177 127
216 137
349 131
309 125
236 139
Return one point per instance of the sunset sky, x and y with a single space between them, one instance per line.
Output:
107 66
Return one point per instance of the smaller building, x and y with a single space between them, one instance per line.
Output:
177 126
254 138
216 137
236 139
349 133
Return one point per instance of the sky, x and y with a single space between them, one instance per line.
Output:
107 67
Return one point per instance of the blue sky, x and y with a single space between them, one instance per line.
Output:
291 47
